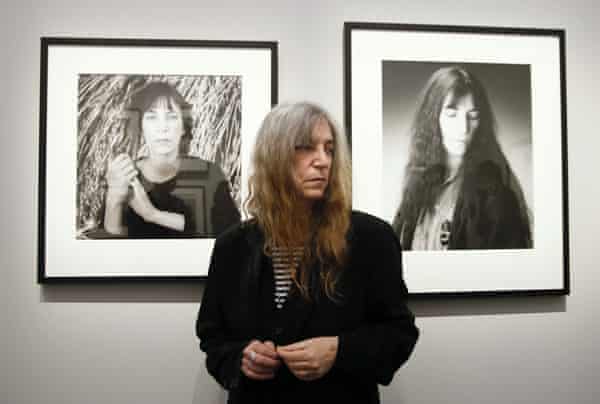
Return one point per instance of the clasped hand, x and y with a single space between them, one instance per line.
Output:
260 360
121 174
309 359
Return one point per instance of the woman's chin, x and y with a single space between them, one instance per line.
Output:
313 196
456 152
162 151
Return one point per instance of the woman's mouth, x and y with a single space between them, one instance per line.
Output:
316 180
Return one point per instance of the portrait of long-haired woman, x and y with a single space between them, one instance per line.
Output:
459 190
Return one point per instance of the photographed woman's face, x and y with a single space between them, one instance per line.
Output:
459 120
162 127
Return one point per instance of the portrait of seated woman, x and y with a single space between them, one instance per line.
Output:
164 193
459 190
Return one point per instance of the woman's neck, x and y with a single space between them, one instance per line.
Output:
302 222
304 208
162 166
453 164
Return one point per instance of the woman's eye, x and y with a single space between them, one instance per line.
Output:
172 115
451 112
474 115
303 147
149 116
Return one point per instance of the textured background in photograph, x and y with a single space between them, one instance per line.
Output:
216 116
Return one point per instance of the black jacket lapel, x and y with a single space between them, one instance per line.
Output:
250 280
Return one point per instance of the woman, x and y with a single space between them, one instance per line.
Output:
144 197
305 302
459 192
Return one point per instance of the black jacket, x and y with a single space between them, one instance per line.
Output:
376 329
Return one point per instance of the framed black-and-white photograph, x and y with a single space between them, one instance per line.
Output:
144 152
459 142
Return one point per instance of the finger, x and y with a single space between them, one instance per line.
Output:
129 169
130 176
297 346
261 355
124 168
256 376
256 367
266 350
252 346
292 356
137 185
121 160
250 351
127 166
302 366
265 361
119 168
257 370
260 359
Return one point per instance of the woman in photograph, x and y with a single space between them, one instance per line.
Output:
141 200
459 189
294 311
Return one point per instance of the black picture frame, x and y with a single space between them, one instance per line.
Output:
62 257
380 58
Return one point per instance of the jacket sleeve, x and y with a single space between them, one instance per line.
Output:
378 347
223 350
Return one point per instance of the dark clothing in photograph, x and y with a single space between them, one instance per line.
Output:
376 329
198 191
492 218
161 196
496 218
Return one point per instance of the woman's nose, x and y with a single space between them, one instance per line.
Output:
163 123
463 125
322 158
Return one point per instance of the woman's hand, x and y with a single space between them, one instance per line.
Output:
310 359
260 360
119 174
140 202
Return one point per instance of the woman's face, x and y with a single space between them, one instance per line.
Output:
312 164
162 127
459 120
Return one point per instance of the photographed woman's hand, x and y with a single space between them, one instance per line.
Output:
119 174
140 202
310 359
260 360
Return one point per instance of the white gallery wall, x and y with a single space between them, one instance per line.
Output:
135 343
